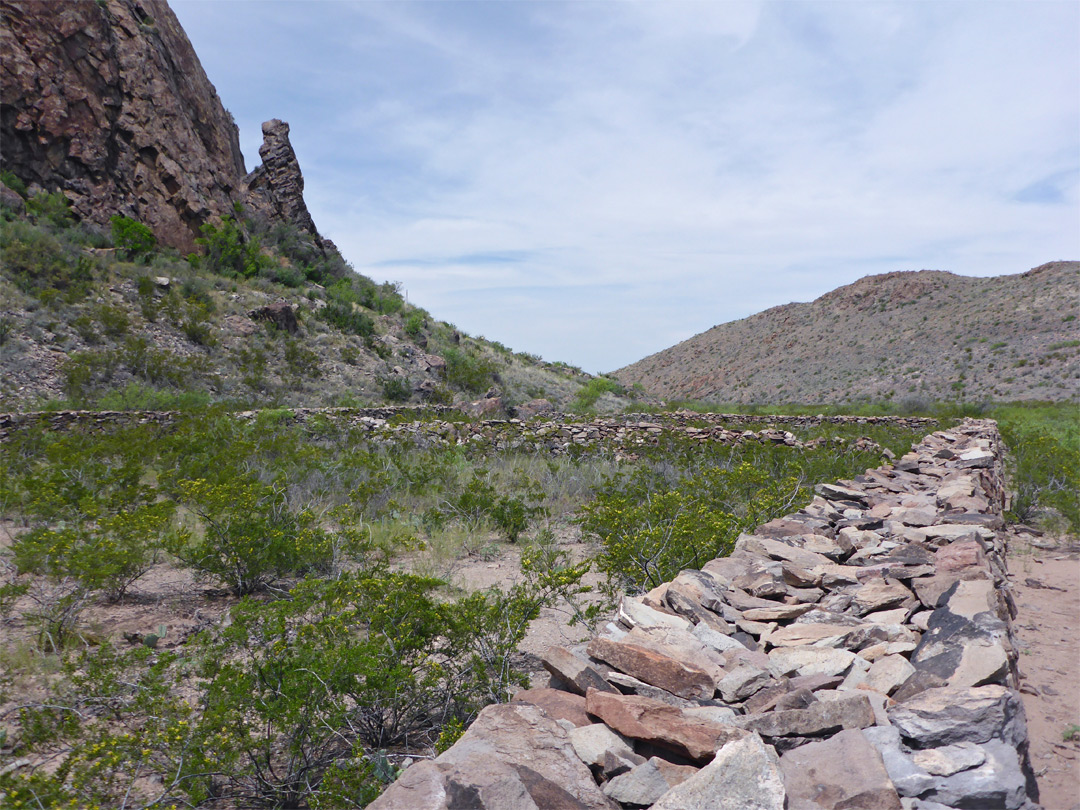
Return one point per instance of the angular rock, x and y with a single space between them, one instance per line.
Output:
907 777
836 492
888 674
949 759
647 782
655 722
818 718
778 550
1002 782
575 672
654 668
818 635
628 685
513 757
714 639
633 613
880 594
744 775
742 682
593 741
558 705
842 773
775 614
810 660
944 716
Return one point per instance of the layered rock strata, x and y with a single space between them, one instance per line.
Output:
856 654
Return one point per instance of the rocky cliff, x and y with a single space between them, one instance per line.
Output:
107 102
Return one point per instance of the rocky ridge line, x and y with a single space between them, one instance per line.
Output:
855 654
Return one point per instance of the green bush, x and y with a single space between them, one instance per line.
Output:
396 389
13 182
53 209
229 252
246 535
468 372
588 394
132 239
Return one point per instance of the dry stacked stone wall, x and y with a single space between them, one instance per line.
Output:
555 432
855 654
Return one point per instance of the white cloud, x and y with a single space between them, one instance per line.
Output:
594 181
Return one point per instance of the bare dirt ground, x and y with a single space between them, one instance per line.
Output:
1046 583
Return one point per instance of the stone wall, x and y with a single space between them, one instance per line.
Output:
443 425
856 654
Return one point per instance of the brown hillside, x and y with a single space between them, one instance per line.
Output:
906 335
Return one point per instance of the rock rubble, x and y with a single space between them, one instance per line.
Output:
856 654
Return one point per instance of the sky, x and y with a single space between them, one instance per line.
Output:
594 182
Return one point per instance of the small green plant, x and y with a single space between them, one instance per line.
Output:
133 240
1071 732
414 324
13 182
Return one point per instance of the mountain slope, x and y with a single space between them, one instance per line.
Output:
908 335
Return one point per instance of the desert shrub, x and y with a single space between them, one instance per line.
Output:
14 183
246 535
53 209
1044 459
468 372
114 320
39 264
588 394
229 252
395 388
347 318
414 324
133 240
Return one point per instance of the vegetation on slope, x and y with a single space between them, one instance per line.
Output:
323 658
111 320
900 337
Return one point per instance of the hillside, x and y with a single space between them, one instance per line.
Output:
260 319
141 267
905 336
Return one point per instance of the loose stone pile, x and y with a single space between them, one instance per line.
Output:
855 654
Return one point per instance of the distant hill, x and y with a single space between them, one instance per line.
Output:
926 335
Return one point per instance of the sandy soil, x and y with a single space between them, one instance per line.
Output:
1046 583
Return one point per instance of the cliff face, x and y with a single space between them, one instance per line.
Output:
108 103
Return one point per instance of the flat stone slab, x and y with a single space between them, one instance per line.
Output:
653 667
577 673
823 717
658 723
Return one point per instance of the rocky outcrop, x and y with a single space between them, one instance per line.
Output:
856 654
275 190
107 103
